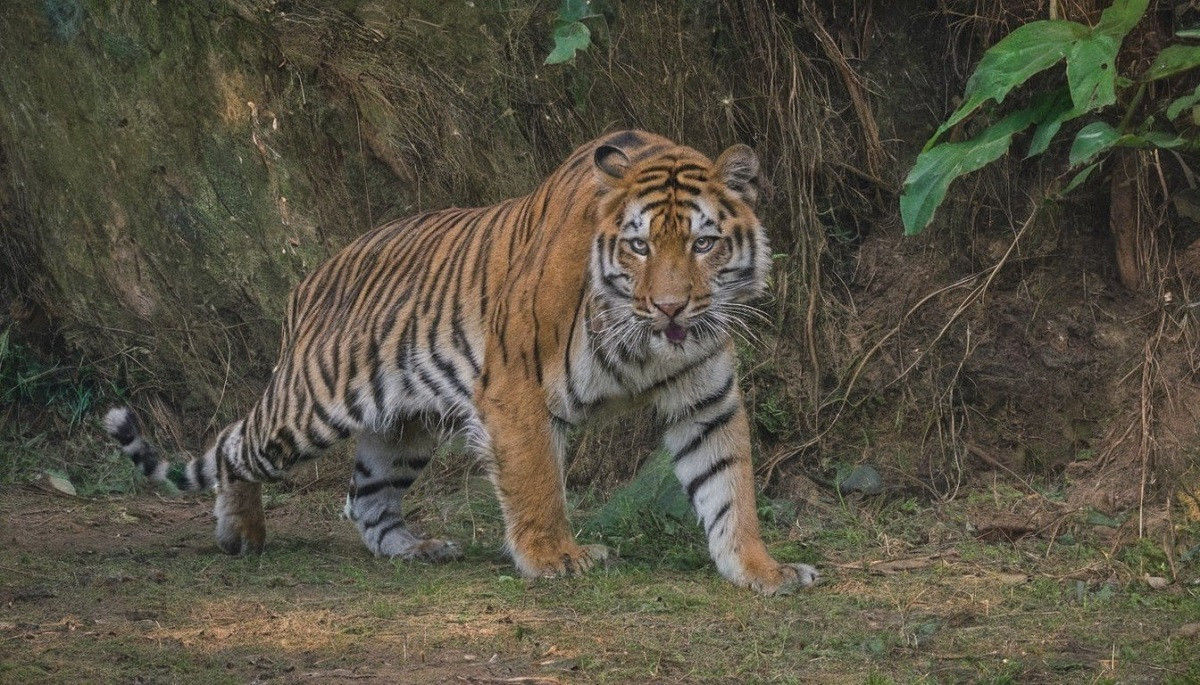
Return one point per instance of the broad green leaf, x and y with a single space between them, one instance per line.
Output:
1091 140
1158 139
1051 112
654 491
936 168
1183 103
569 39
1079 178
1030 48
1091 72
59 481
1172 60
1120 18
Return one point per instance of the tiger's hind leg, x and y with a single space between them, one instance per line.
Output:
385 467
241 525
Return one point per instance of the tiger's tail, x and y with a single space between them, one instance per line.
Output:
122 424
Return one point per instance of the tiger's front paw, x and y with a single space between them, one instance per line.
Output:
782 578
563 559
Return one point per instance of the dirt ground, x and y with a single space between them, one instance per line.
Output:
992 588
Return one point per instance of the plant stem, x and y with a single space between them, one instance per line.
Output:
1132 108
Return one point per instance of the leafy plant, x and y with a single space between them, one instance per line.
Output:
1092 84
27 379
571 35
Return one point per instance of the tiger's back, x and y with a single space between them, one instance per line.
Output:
615 282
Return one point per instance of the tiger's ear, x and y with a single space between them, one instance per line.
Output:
739 170
611 161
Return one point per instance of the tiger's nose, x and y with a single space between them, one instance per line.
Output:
671 307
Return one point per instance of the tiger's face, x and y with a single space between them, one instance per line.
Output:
680 250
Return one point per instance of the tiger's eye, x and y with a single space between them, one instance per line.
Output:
703 244
639 246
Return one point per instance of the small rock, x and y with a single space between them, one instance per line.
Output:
1156 582
862 478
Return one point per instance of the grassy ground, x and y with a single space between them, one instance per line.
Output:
131 588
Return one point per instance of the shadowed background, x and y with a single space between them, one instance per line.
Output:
171 170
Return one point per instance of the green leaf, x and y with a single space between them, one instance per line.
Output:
936 168
59 481
1079 179
1188 33
655 490
1029 49
1159 139
1183 103
575 10
1172 60
1091 140
1052 111
1099 518
569 38
1120 18
1091 72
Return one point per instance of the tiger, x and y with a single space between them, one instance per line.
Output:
617 284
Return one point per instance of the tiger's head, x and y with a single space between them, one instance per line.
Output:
679 250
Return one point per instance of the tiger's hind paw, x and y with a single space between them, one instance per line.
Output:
431 550
241 525
235 541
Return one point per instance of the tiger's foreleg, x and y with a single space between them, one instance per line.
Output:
519 440
709 437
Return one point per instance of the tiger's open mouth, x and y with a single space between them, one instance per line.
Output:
675 333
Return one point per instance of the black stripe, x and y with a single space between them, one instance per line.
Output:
727 205
448 371
574 398
625 139
383 513
708 531
397 523
685 370
353 408
288 437
709 427
361 469
127 432
706 402
653 205
198 476
319 441
699 481
537 345
321 413
401 482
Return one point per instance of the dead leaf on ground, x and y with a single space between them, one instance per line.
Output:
1191 630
